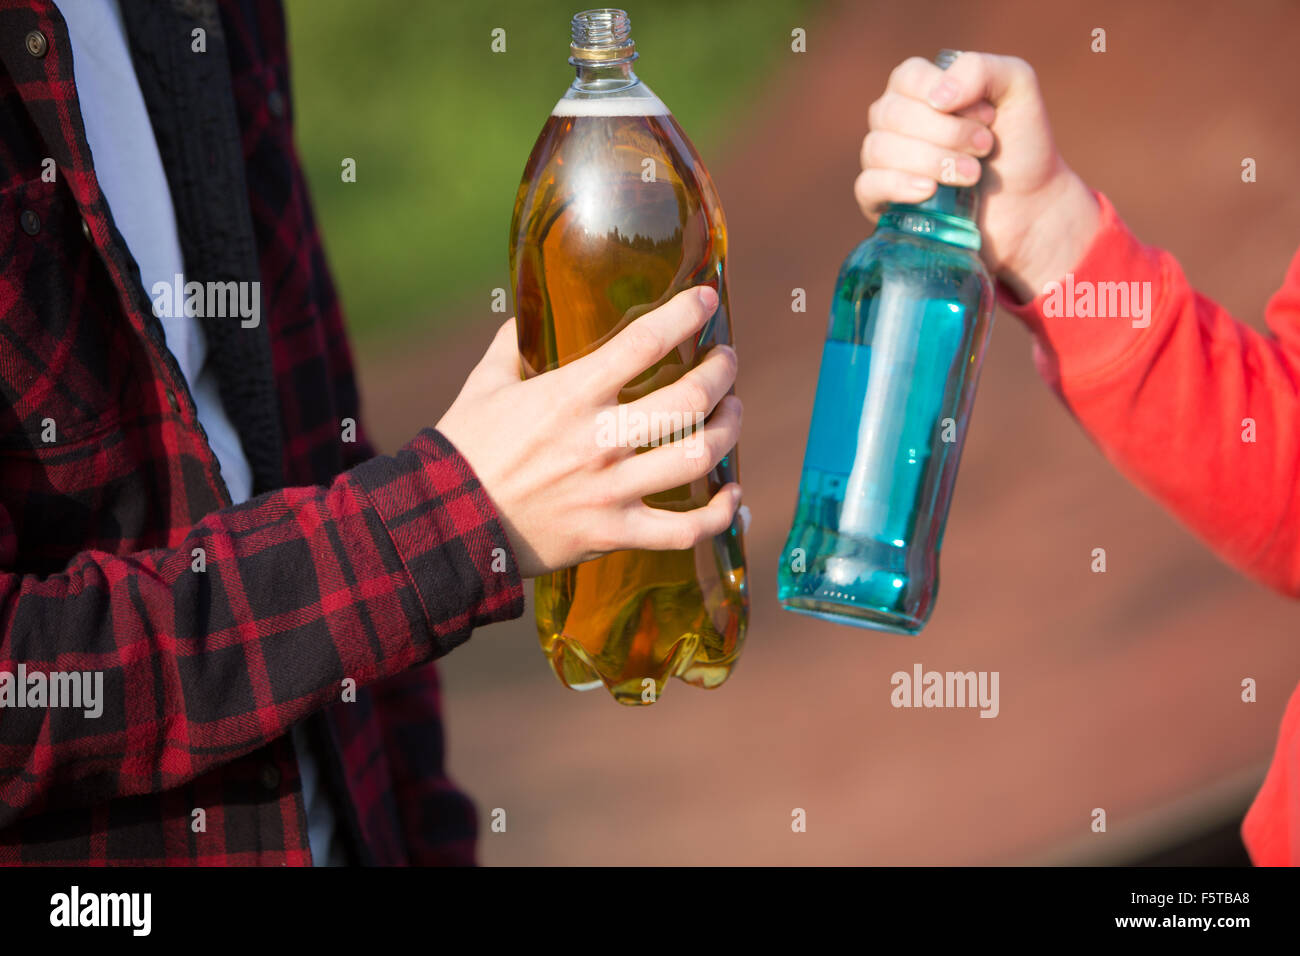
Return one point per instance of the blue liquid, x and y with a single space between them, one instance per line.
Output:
908 329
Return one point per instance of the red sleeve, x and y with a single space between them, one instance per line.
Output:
1271 830
392 564
1173 395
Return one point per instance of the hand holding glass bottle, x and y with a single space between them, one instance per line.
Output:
909 324
932 125
910 320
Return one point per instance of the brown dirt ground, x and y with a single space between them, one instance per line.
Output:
1118 691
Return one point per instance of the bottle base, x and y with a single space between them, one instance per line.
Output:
855 615
578 671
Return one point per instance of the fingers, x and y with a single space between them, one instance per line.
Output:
913 145
657 530
886 150
897 113
915 77
682 461
693 396
875 189
978 76
644 342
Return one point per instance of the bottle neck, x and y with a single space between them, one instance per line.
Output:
948 216
597 77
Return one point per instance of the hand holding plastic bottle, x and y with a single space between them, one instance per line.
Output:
930 124
563 496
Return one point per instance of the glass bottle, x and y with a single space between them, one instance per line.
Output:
909 324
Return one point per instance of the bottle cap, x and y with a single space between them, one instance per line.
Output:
944 58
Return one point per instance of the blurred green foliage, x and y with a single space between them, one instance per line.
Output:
440 126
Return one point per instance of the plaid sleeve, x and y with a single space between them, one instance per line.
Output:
438 821
210 650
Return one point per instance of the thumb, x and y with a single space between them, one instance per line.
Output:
981 76
499 365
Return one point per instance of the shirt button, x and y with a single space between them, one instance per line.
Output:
171 400
270 776
85 228
37 45
275 103
30 221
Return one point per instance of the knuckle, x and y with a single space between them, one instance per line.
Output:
692 308
643 343
871 149
720 442
906 70
875 113
731 363
603 497
587 458
611 454
964 130
606 455
602 537
862 189
684 535
889 112
1023 67
694 395
730 436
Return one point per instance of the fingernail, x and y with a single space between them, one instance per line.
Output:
744 518
982 140
968 167
708 298
943 94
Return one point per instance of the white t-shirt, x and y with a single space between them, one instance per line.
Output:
131 175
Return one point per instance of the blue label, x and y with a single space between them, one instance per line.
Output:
837 411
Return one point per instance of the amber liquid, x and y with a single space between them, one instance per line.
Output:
593 246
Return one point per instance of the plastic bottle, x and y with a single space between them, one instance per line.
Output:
615 215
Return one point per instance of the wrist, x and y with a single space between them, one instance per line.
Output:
1064 220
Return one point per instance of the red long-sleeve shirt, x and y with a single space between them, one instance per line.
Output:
1202 413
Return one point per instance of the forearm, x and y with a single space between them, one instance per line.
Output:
1197 409
211 649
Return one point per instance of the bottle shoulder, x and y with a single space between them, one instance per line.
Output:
615 165
890 250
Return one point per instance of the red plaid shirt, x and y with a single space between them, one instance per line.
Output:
342 566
